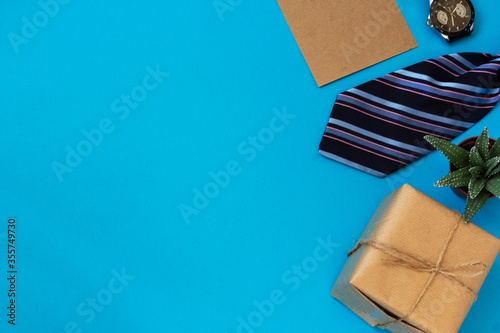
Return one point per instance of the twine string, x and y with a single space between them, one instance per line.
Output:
416 263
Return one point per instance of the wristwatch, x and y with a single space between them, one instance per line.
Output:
452 19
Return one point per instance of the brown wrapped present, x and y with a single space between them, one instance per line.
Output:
417 266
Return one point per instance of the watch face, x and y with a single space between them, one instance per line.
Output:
452 17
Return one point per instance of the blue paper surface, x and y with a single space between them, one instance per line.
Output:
160 161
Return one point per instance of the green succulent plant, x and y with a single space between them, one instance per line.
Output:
477 169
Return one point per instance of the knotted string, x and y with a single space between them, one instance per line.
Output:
413 262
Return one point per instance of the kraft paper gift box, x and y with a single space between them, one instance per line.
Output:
417 266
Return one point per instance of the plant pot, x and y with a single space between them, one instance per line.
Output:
467 144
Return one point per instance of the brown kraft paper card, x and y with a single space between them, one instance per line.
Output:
340 37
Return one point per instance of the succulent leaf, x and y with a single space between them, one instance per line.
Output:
493 185
494 171
476 171
482 144
491 164
476 185
458 156
475 158
458 178
474 205
495 150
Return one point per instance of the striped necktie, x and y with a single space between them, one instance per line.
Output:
378 127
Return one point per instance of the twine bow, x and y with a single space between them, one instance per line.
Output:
418 264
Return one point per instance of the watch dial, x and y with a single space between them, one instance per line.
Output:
451 15
461 10
442 17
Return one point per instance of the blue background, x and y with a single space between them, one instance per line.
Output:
117 212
